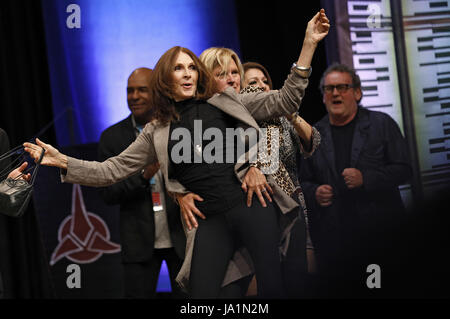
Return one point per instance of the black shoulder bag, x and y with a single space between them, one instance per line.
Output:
15 193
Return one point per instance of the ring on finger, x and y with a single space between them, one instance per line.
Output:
263 190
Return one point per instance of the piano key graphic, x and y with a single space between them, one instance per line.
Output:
426 26
427 35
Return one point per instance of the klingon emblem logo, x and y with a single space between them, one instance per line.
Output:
83 236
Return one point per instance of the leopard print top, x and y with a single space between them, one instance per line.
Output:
288 143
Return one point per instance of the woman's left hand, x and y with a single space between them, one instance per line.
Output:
318 27
256 182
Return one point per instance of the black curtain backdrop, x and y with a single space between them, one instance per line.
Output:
25 94
25 108
271 33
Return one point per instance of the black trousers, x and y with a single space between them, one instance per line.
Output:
216 239
141 279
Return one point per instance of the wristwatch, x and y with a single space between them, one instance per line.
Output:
303 69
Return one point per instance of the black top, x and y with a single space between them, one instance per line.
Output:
191 161
342 142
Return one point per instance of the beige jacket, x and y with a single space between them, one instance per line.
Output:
152 145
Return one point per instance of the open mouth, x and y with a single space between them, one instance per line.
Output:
187 85
337 102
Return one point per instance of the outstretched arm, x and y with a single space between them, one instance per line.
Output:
91 173
52 157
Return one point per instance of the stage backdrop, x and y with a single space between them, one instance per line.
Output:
94 45
79 230
400 49
92 48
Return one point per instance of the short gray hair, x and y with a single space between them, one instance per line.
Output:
336 67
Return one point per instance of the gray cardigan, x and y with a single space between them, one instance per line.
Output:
152 145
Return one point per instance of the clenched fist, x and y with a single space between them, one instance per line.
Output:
324 195
353 177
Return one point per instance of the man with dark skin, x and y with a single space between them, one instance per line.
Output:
150 227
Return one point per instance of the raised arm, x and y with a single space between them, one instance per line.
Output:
316 30
263 105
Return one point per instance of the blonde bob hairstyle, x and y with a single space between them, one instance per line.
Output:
214 57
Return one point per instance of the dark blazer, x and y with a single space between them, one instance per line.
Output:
379 151
137 223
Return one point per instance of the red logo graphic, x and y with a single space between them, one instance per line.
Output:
83 236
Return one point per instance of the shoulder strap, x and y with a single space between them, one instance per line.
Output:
38 163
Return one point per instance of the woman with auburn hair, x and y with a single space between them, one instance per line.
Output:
180 84
162 88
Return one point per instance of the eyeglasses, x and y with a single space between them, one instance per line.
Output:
341 88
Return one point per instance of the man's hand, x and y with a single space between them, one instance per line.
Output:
150 170
324 195
353 177
256 182
188 208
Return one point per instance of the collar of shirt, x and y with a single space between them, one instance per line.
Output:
137 128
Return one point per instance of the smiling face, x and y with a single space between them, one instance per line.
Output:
256 77
230 77
138 95
185 77
341 106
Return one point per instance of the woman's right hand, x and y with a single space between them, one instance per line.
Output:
52 157
188 208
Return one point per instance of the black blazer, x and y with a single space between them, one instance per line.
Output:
137 223
379 151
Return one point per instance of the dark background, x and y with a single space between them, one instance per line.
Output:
271 34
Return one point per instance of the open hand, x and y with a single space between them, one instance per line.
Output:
17 173
52 157
256 183
317 28
188 208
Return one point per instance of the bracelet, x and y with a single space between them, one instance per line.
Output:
302 69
